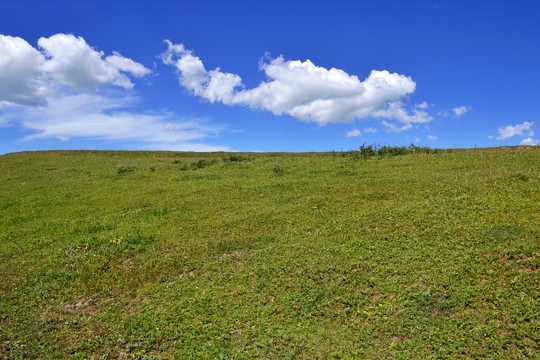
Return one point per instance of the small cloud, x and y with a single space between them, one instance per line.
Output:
396 111
169 127
417 140
443 113
370 130
354 133
519 129
460 111
394 128
62 138
530 141
423 105
432 137
491 137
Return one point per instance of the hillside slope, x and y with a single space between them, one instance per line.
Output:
327 255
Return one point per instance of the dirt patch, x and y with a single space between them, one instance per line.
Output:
82 306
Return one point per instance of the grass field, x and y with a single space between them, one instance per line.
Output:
111 255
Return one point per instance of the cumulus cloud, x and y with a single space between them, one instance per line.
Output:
28 74
370 130
432 137
20 72
300 89
519 129
354 133
530 141
461 110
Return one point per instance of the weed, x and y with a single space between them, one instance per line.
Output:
277 169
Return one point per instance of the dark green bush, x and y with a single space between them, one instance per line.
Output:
235 158
125 169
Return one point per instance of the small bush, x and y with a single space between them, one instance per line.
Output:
199 164
125 170
235 158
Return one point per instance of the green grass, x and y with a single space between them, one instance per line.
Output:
278 256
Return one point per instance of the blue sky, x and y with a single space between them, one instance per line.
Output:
268 76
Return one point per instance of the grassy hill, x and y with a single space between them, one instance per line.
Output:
279 256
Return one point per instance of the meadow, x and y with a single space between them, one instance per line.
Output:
366 254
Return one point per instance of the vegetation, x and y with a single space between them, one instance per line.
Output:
203 256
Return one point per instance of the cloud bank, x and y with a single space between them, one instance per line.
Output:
28 74
303 90
52 92
94 116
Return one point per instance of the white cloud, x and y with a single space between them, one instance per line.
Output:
20 71
94 116
423 105
28 75
461 110
432 137
73 62
395 128
300 89
443 113
169 127
57 76
354 133
127 65
519 129
396 111
530 141
370 130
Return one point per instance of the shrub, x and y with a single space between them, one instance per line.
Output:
199 164
125 169
367 151
235 158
